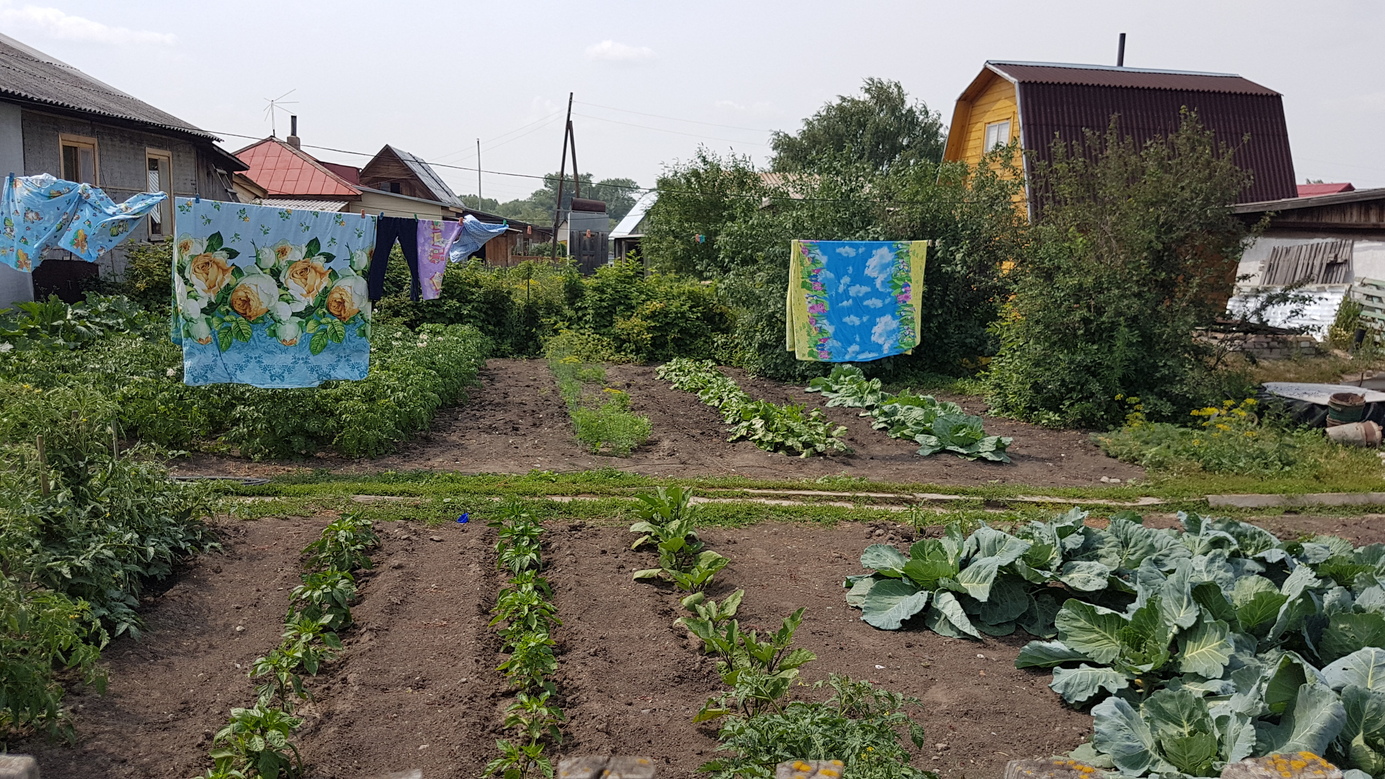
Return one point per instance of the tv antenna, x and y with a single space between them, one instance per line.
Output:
279 103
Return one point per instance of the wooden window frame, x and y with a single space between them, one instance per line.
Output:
986 132
81 141
167 206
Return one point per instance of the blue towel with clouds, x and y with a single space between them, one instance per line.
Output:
854 301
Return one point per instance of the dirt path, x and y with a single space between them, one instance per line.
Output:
516 422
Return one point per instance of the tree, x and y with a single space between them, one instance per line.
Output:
880 128
1133 252
619 194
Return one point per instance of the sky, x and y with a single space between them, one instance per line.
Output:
654 80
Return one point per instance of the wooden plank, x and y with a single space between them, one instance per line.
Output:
809 769
601 767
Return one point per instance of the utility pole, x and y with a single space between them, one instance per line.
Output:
562 175
478 172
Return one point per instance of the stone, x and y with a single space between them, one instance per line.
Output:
1291 765
1051 768
18 767
592 767
809 769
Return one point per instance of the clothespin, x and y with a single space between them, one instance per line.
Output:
197 198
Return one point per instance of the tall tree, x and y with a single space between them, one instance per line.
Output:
880 127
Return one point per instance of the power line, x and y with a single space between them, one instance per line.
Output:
546 119
662 130
674 118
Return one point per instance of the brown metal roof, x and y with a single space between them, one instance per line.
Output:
1063 101
1141 78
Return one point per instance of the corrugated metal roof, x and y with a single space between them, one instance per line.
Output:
428 177
1294 203
303 205
29 74
284 170
1141 78
630 224
350 173
1067 109
1313 190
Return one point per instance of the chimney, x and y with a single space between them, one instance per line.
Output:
1120 57
293 139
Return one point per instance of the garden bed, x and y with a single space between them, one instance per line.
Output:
416 686
516 422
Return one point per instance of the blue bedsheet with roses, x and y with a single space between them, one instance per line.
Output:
271 297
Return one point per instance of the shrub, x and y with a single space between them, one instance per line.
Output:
1132 248
148 276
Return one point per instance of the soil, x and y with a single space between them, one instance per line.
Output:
416 685
516 422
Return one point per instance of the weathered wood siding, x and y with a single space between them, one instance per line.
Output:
121 170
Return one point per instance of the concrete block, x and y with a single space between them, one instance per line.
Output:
18 767
1051 768
1294 765
809 769
592 767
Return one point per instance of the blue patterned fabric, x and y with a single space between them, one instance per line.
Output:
474 235
271 297
42 211
854 301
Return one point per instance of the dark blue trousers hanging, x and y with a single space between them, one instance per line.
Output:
388 230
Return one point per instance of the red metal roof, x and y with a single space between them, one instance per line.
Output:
350 173
1142 78
1313 190
284 170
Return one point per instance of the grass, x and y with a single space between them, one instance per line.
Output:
601 415
1331 368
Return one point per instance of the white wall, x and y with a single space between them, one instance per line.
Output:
15 286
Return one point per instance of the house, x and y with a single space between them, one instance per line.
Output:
294 178
1319 188
627 235
1326 243
58 120
585 231
1035 102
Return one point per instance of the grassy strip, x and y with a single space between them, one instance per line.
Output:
257 740
601 415
1189 490
527 616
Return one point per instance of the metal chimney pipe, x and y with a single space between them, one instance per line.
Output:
1120 63
293 139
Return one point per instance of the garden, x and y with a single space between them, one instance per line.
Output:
610 515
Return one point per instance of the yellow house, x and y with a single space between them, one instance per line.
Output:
1035 102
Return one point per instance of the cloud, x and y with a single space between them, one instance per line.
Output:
60 25
610 51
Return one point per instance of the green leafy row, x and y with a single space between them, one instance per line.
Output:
761 728
936 426
526 616
774 428
105 348
257 740
1198 646
86 524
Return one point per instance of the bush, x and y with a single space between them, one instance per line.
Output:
1133 247
148 276
1232 438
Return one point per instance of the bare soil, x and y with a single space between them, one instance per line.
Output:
516 422
416 686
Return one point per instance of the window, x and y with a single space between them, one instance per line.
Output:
78 158
160 167
997 134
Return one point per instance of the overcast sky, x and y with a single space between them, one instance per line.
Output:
653 80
